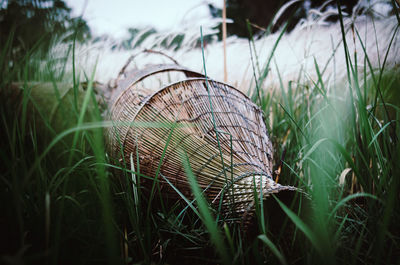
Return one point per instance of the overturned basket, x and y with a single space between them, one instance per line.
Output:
222 132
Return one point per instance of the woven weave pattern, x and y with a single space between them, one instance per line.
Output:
230 167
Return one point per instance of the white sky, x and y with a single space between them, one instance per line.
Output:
113 17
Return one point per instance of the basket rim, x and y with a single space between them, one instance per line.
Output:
149 71
192 79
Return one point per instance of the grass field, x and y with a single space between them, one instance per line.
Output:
62 203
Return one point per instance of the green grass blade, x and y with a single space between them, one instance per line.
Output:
205 213
300 225
273 248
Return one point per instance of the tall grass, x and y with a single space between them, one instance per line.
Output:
64 201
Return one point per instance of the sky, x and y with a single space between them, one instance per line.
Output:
114 17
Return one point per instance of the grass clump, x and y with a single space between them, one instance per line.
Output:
337 142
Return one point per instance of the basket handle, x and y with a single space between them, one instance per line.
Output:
136 76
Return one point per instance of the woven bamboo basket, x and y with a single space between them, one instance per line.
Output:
230 167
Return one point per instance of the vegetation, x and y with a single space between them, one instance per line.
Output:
262 13
61 202
38 23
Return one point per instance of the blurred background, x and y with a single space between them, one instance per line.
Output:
122 21
327 79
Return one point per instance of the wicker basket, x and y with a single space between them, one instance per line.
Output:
229 167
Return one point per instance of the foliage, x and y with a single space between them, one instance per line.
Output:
262 13
37 23
69 207
136 37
